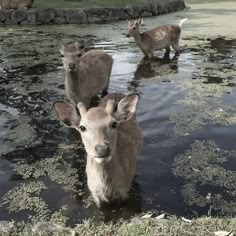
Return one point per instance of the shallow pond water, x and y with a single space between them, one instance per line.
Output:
187 112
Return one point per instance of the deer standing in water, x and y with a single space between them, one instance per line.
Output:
112 140
161 37
87 72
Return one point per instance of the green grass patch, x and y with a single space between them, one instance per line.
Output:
86 3
172 227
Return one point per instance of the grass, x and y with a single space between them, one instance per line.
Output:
90 3
164 227
85 3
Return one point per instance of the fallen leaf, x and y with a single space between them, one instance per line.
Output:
160 216
223 233
147 216
186 220
195 170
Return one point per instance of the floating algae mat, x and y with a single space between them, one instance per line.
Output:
187 112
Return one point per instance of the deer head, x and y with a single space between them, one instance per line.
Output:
98 126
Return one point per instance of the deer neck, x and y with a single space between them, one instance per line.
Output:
138 39
72 79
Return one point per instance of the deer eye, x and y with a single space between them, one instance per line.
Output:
134 28
62 55
82 128
114 125
79 54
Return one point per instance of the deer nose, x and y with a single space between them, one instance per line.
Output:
71 65
103 150
127 35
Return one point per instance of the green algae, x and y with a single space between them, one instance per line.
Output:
200 112
56 169
204 102
21 134
26 196
201 167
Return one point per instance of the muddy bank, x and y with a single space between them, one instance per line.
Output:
84 16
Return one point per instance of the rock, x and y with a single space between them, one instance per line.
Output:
8 19
2 16
6 16
146 14
45 16
97 15
18 16
60 20
117 14
31 17
145 11
133 12
77 16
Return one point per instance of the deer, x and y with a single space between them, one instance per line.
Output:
15 4
161 37
112 141
87 71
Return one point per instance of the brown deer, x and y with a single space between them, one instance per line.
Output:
161 37
15 4
112 141
87 72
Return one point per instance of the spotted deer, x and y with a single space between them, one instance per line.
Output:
112 140
161 37
15 4
87 71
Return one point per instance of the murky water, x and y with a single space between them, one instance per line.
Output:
187 112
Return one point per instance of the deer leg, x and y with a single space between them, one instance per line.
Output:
176 47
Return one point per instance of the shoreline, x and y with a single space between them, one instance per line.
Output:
47 16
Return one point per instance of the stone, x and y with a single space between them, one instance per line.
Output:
60 20
31 17
77 16
97 15
133 12
118 14
60 13
18 16
45 16
146 14
5 16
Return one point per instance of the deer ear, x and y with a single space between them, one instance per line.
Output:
67 114
61 45
127 107
88 44
77 46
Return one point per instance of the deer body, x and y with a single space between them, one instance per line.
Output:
15 4
111 152
86 73
161 37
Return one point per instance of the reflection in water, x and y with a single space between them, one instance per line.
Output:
149 68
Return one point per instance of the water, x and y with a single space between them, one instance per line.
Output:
187 112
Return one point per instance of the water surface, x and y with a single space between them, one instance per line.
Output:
187 112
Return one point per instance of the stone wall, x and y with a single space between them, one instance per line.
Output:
84 16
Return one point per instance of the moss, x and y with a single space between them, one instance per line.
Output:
201 167
26 196
56 169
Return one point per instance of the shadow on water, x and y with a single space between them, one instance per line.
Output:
185 100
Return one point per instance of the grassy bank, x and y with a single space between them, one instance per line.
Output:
88 3
150 227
